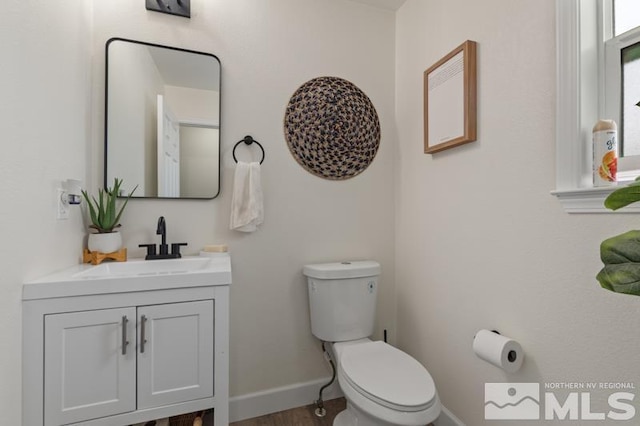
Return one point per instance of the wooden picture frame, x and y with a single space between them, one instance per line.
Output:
450 112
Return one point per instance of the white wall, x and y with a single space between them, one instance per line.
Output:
45 115
480 243
196 106
267 50
135 84
199 152
52 85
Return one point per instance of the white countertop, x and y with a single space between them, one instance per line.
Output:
130 276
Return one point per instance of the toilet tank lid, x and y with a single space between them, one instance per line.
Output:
340 270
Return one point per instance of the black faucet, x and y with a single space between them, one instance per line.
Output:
162 230
164 247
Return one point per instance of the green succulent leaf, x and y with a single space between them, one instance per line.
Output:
103 211
624 196
621 258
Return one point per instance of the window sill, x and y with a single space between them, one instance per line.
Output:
589 200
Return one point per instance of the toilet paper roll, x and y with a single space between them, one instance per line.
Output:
498 350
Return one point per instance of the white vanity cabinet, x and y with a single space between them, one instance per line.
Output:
99 363
117 353
175 354
86 376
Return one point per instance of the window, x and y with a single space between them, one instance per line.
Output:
598 76
621 78
626 16
630 118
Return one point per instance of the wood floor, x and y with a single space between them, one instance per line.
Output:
302 416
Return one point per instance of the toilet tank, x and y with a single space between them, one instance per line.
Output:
342 299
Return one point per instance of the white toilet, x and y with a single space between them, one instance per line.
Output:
382 384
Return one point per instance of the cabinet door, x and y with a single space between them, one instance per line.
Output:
87 374
175 353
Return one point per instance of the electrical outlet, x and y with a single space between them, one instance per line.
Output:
62 211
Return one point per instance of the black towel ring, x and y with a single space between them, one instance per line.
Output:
248 140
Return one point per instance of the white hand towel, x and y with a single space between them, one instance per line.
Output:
247 211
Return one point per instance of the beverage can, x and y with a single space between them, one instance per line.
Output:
605 153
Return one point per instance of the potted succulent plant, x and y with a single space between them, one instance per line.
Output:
105 218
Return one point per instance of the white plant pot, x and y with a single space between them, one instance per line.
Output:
105 243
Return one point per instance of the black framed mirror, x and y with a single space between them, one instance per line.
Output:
162 120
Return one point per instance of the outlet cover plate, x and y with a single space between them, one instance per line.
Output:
62 208
172 7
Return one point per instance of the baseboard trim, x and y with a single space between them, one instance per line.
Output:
279 399
298 395
447 419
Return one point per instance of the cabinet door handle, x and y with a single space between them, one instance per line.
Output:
143 340
125 342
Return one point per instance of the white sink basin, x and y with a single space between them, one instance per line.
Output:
131 276
146 267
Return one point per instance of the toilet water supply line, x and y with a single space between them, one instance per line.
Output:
320 410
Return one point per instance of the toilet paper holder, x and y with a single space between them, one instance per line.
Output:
509 361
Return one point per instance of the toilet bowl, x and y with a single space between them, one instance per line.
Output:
382 385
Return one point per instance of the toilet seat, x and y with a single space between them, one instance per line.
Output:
387 376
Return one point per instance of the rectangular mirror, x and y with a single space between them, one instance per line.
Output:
162 120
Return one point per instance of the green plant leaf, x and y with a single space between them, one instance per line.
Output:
92 210
124 204
103 210
100 208
110 211
621 258
624 196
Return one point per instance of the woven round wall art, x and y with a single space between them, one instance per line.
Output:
332 128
